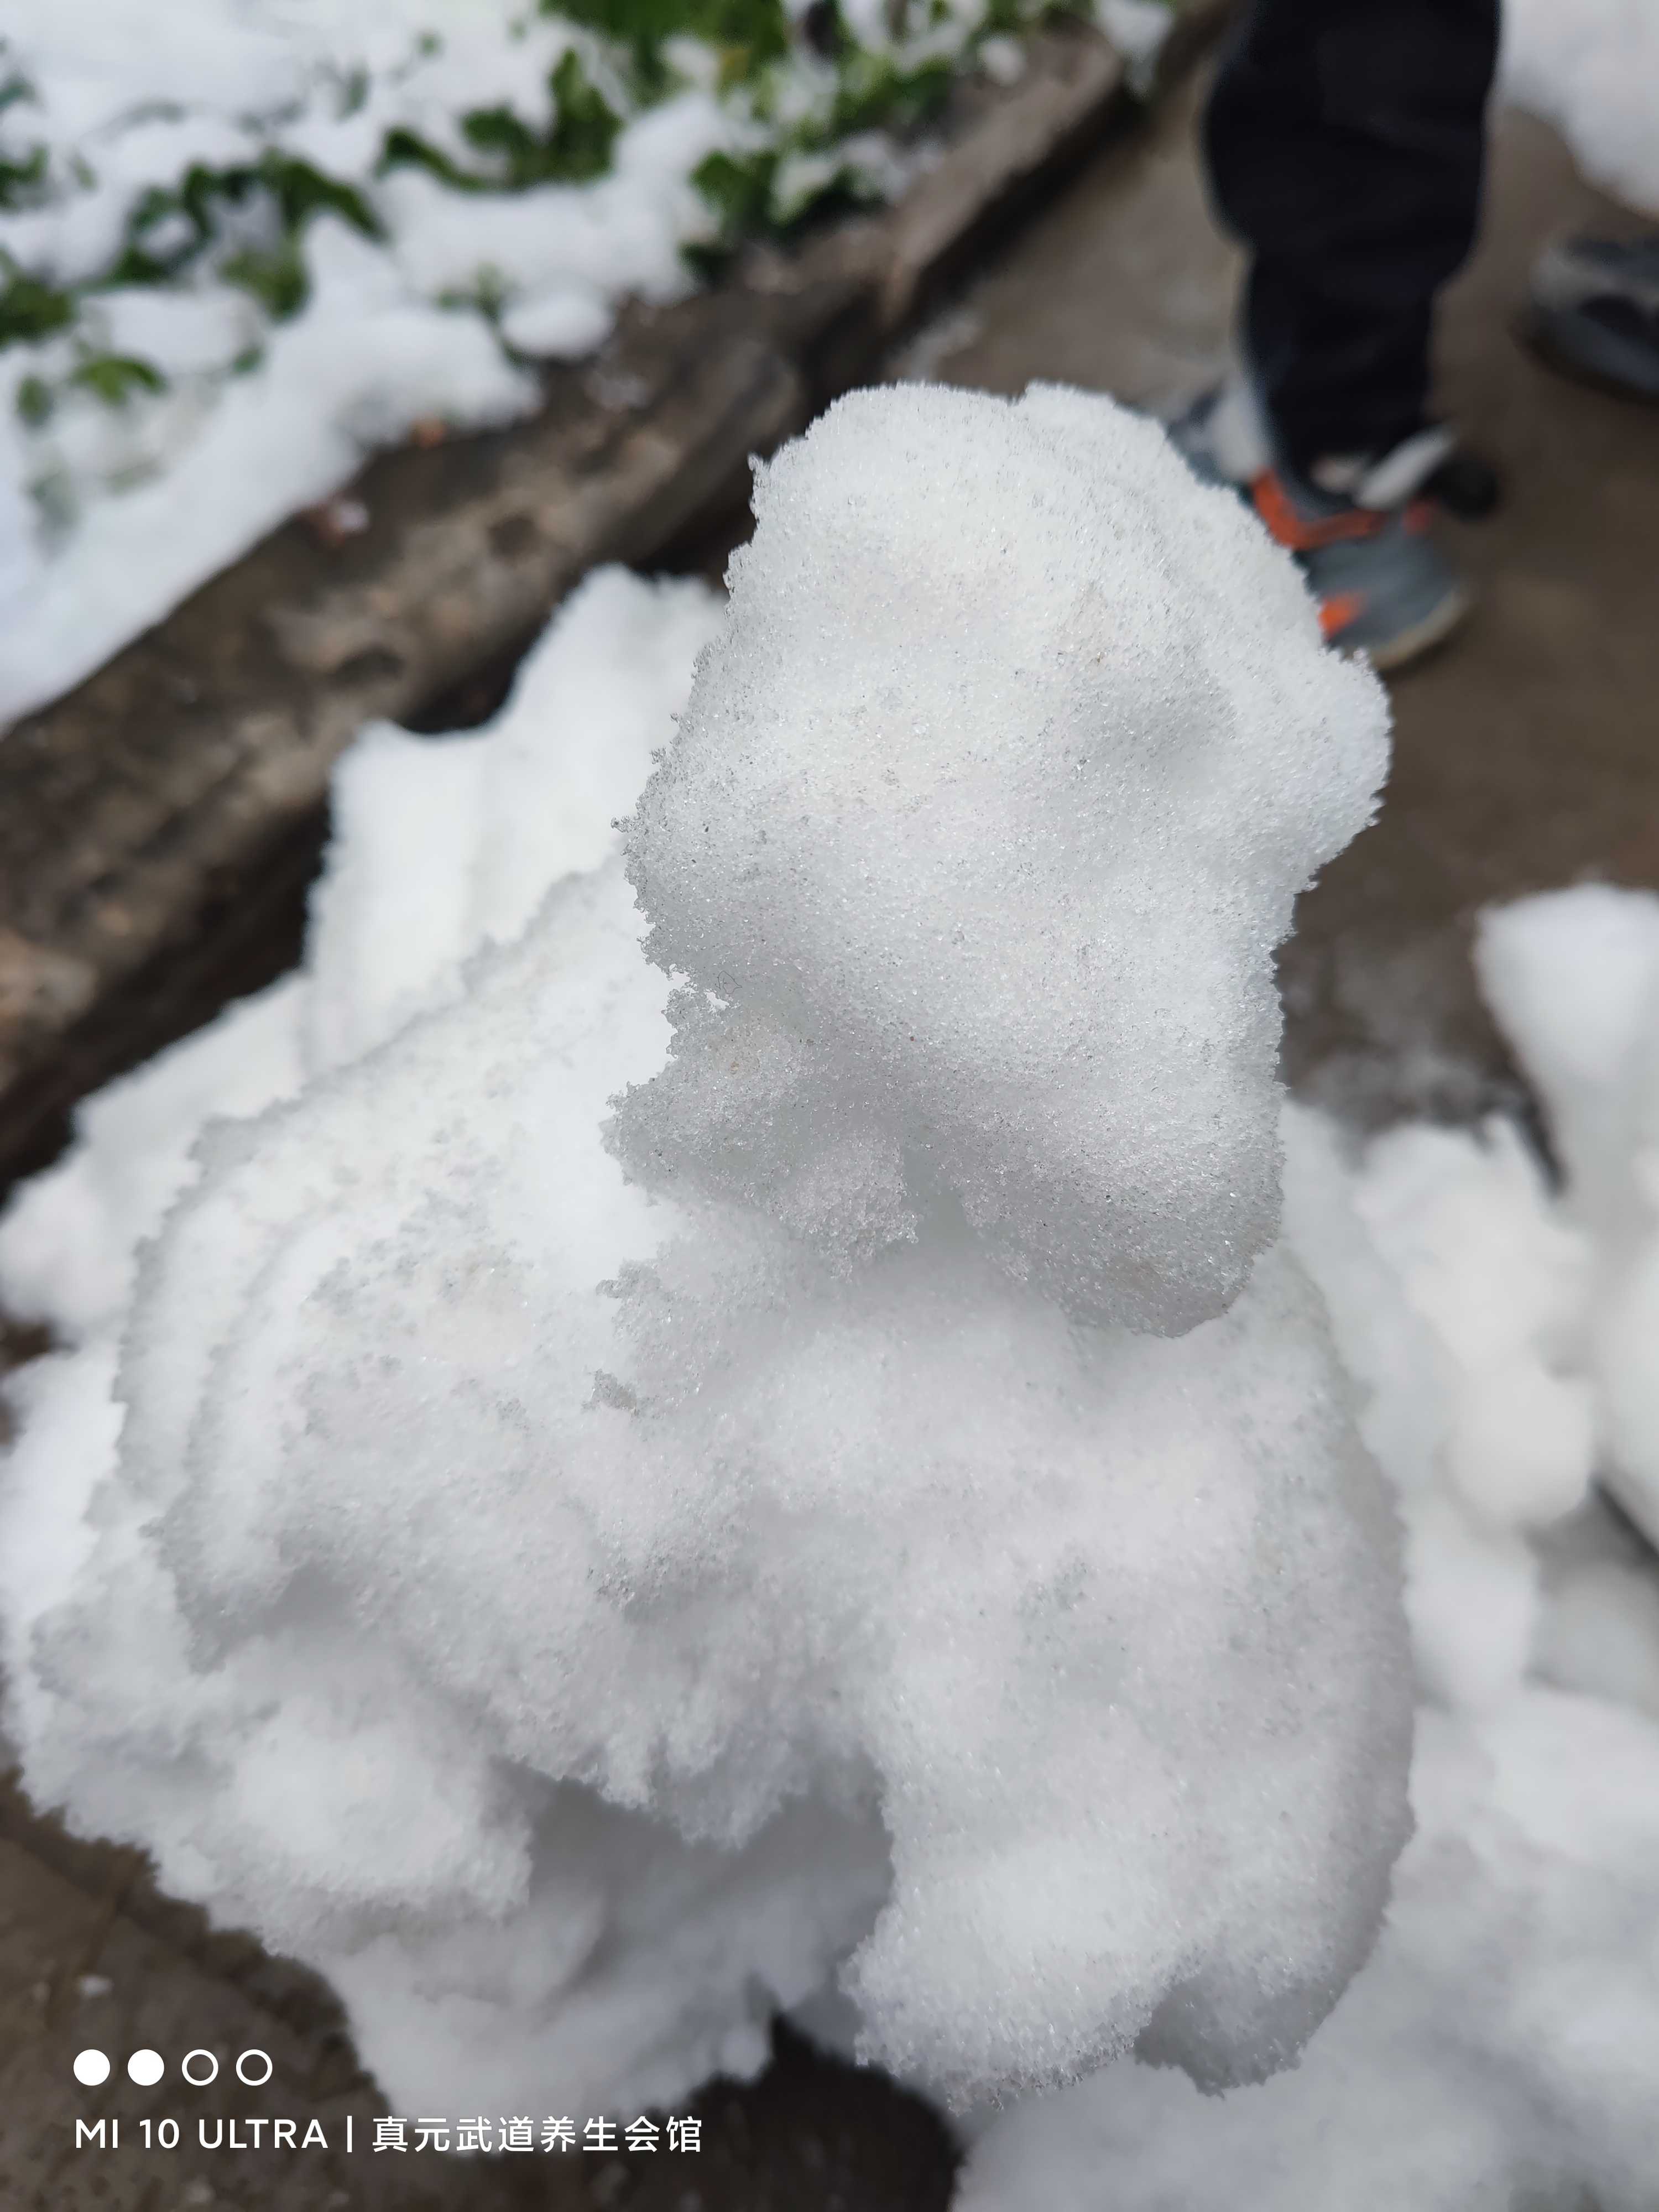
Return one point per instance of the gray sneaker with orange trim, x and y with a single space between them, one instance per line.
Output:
1384 587
1360 532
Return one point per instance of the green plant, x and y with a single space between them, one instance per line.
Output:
277 277
296 190
114 377
575 147
20 181
34 401
20 178
30 308
749 34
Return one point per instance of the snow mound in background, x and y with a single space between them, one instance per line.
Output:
1500 2047
1497 2051
581 1611
1574 979
1590 69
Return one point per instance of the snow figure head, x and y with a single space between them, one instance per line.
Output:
987 813
586 1580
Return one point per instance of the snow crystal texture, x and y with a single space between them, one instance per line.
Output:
988 809
587 1578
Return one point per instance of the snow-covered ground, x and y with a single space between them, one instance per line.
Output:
243 242
573 1676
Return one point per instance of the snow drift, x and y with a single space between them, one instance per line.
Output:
585 1579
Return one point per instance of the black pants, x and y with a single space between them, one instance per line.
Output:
1346 141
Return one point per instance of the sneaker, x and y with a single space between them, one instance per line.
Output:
1384 587
1224 438
1360 534
1594 312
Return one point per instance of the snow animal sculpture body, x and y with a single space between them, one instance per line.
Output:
584 1580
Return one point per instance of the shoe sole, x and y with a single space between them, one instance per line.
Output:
1535 332
1421 638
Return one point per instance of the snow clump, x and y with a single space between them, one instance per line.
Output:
586 1579
1589 69
989 902
1499 2048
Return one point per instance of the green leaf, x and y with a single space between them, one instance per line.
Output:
297 191
576 146
354 90
301 192
584 127
20 181
739 188
114 377
404 148
874 94
30 309
498 130
34 401
758 30
278 279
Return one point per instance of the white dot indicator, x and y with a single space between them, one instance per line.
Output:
91 2067
146 2067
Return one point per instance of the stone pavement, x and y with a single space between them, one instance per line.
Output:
1528 755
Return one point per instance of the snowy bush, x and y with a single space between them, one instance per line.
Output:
245 240
587 1574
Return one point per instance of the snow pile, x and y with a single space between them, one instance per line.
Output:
1589 67
246 242
1500 2047
1575 982
439 845
1497 2051
582 1609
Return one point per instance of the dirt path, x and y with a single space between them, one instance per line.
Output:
1527 754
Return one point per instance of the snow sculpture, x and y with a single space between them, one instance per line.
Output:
624 1502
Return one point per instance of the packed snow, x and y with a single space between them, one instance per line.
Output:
584 1582
869 1091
